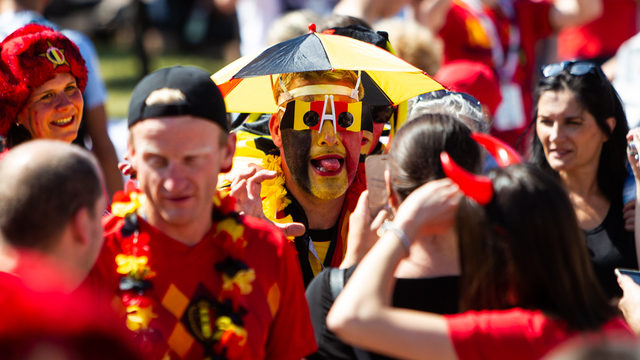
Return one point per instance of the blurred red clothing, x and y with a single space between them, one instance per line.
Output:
38 319
518 334
465 38
602 37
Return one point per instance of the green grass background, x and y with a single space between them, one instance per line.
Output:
121 72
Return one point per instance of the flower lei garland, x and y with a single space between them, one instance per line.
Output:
273 193
225 335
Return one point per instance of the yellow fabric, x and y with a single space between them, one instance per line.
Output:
322 247
397 78
398 119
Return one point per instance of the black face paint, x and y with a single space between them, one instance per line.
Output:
296 145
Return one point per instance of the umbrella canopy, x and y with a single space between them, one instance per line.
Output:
247 83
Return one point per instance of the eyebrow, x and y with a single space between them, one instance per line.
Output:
73 82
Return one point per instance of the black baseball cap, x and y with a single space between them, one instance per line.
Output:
202 97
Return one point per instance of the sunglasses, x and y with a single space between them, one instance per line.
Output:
576 68
303 115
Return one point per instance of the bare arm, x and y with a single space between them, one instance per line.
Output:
432 13
96 123
362 314
574 12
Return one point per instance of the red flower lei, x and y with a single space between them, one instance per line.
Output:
222 325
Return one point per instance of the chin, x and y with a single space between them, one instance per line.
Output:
329 188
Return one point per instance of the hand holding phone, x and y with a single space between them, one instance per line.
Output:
633 274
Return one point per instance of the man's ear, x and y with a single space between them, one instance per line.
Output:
274 129
229 149
131 151
81 226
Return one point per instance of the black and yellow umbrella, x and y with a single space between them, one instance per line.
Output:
247 83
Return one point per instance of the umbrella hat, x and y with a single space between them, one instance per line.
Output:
247 83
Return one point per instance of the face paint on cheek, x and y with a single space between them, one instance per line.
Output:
296 145
34 128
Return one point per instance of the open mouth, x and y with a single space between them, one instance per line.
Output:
63 122
328 165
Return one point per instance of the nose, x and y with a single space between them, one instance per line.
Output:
556 133
174 181
64 102
328 135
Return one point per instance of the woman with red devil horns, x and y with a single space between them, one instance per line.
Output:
527 282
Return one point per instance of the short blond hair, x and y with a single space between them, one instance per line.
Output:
318 76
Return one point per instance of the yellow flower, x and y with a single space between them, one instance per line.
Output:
224 323
129 264
138 318
232 227
242 278
122 209
273 191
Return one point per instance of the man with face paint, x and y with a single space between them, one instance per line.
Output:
318 130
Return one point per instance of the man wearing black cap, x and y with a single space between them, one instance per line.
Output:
195 279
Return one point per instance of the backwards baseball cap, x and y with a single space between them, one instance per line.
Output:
192 93
29 57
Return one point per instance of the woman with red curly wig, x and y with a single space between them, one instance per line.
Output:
41 83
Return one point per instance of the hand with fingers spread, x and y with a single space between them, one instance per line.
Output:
630 302
246 188
362 231
430 209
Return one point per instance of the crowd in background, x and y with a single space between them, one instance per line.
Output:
508 188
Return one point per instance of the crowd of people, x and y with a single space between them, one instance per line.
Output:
259 236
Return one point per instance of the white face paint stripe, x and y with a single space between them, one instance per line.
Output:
331 116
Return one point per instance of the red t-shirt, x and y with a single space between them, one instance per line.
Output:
601 37
514 334
35 312
277 323
464 38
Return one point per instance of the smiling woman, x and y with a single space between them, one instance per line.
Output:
580 137
43 76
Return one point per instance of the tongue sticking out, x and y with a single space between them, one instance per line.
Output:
328 165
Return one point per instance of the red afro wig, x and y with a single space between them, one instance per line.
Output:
29 57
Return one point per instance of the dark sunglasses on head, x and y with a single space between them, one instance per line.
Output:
576 68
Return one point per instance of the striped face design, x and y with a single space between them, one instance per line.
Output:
302 115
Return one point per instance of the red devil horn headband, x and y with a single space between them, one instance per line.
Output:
504 154
479 187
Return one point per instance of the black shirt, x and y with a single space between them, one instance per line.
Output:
611 246
437 295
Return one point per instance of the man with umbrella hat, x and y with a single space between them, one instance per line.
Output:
318 132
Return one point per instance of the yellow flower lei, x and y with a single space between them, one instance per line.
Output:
274 194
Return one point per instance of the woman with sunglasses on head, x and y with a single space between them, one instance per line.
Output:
526 285
579 137
41 83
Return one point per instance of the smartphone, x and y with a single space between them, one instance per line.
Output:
634 274
375 166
